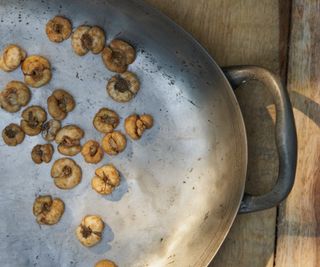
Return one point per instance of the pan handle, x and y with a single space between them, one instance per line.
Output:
285 134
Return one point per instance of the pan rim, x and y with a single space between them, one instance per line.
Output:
207 259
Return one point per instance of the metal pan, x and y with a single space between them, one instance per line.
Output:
182 184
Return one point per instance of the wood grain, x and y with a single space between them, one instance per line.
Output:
242 32
299 218
285 8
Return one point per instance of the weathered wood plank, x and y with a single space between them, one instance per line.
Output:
299 217
242 32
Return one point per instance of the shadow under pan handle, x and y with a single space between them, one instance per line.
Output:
286 137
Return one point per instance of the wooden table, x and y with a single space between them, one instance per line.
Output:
284 36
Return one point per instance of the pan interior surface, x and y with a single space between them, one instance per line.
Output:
181 183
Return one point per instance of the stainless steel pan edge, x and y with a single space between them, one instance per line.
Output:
231 83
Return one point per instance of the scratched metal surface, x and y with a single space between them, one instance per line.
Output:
181 184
